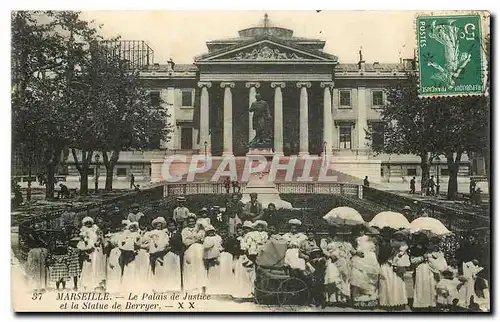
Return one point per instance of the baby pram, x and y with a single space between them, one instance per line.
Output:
273 283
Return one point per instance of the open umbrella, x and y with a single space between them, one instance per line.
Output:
429 224
390 219
344 216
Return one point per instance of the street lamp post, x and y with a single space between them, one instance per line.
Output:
389 170
97 159
205 144
438 168
324 151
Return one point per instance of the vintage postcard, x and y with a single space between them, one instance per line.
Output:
280 161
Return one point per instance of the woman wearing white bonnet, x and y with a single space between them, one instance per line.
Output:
128 258
244 270
194 274
294 239
93 271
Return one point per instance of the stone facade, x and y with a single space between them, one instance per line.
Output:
319 106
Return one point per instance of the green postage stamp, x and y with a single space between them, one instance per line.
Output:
451 54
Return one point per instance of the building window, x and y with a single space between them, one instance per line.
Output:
187 98
345 99
91 172
154 98
186 138
411 172
345 137
121 172
377 98
377 134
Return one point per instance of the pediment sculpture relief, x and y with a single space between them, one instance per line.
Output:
266 53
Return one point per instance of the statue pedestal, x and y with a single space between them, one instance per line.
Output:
260 183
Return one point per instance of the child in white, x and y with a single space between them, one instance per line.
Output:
212 248
447 289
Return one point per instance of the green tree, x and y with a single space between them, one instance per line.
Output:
37 119
129 117
79 75
410 124
463 120
449 126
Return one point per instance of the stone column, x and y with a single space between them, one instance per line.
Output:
228 118
327 118
278 118
304 118
335 106
251 98
205 117
362 121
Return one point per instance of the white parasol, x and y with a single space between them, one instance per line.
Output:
390 219
344 216
429 224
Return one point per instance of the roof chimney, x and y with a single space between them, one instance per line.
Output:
408 64
361 63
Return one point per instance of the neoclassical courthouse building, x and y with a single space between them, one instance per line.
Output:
319 105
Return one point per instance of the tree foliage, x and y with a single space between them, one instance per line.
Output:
428 128
70 90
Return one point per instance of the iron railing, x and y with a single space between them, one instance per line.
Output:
302 188
454 218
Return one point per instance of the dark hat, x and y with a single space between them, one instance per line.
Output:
135 205
253 194
181 198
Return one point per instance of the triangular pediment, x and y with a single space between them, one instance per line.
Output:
266 50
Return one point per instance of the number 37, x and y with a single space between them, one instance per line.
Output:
37 296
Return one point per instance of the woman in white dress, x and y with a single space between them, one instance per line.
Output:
93 274
365 270
294 239
172 257
394 261
157 240
428 263
338 268
244 269
256 239
129 247
212 249
113 269
194 272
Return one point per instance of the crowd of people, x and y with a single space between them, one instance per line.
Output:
215 251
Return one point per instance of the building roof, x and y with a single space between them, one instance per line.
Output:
373 67
181 68
265 29
271 38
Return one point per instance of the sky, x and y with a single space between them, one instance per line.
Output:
384 36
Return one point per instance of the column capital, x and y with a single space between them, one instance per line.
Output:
302 84
227 84
327 84
204 84
278 84
252 84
